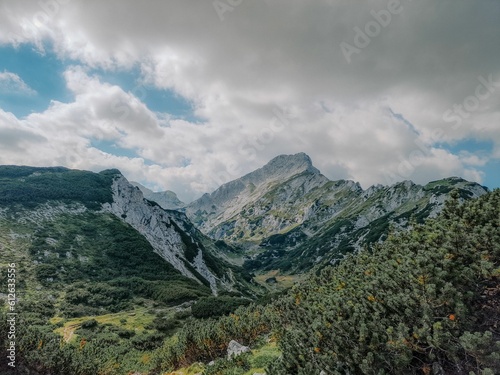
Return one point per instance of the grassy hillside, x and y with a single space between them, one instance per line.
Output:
93 296
76 266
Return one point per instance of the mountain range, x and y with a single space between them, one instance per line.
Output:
166 199
287 215
32 200
114 278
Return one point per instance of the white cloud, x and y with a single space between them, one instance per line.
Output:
343 143
12 84
266 56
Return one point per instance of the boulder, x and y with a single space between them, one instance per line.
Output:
234 349
271 280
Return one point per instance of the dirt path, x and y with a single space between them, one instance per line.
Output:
69 331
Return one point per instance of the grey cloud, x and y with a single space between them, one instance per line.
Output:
17 140
267 54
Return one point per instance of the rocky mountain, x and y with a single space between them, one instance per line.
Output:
289 216
251 207
101 276
166 199
169 232
41 197
107 281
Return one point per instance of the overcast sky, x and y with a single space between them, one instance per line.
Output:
187 94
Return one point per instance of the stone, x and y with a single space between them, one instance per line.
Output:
235 349
271 280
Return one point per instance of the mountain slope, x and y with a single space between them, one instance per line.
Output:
291 217
426 301
162 231
33 194
103 276
356 220
242 202
166 199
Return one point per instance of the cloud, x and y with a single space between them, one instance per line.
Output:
12 84
271 78
194 158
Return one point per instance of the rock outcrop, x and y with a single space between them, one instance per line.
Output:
161 229
235 349
166 199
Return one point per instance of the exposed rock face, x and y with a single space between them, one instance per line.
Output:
237 203
166 199
346 219
160 228
234 349
291 210
289 192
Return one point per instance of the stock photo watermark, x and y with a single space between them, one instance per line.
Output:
372 29
223 6
280 120
123 108
471 103
49 9
455 115
11 314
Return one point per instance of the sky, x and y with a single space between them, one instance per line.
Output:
186 95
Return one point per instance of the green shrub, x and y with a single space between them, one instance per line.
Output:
405 308
216 306
88 324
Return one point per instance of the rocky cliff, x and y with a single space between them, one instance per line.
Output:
160 229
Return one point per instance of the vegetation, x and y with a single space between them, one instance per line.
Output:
103 264
209 307
205 340
30 186
96 299
413 305
423 302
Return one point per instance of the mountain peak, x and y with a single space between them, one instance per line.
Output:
166 199
282 167
290 173
300 161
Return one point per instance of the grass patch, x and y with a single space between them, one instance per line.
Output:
135 320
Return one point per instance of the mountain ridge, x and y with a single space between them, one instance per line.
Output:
289 202
48 192
166 199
